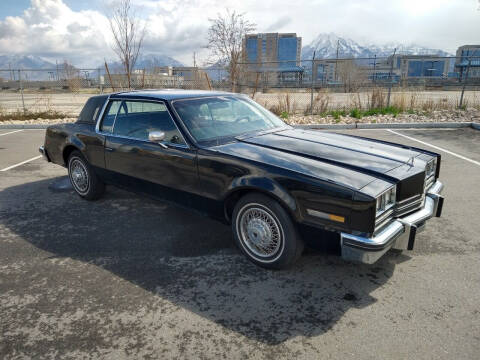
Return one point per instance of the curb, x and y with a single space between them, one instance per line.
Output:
325 126
432 125
27 126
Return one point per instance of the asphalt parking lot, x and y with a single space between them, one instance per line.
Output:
129 277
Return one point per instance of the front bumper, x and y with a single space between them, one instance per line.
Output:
43 151
399 234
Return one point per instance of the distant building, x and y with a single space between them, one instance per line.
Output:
408 67
466 54
141 79
274 52
273 47
423 66
324 71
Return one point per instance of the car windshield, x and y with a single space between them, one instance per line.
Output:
212 118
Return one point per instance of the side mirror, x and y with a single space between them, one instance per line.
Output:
157 137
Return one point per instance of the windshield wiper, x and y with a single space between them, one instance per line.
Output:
251 134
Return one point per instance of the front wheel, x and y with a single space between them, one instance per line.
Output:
84 180
265 233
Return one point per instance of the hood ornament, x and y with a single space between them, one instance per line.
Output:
410 161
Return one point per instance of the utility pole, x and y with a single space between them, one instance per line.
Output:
194 60
21 90
391 78
336 60
109 77
375 70
311 90
464 84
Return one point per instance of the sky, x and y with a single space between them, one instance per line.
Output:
78 31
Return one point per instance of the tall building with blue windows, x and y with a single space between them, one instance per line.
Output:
275 56
468 57
270 48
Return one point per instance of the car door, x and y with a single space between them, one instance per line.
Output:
128 151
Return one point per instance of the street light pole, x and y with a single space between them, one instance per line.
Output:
391 78
311 90
464 84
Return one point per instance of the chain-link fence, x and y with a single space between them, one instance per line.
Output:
308 86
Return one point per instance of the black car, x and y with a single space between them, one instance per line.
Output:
228 157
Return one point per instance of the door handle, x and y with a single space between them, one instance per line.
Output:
109 149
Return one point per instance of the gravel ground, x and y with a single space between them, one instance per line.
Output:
469 115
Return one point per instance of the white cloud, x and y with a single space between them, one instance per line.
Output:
51 29
178 28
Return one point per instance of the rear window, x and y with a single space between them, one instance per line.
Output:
91 110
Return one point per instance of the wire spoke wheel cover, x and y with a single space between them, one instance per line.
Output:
79 176
260 232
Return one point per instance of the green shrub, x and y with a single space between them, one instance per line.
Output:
355 113
284 115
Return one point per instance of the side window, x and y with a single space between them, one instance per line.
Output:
109 117
136 119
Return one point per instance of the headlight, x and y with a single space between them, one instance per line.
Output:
386 200
430 168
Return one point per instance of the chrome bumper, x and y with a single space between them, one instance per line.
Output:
42 151
399 234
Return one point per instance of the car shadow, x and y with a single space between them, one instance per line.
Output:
191 261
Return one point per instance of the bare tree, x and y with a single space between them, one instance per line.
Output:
71 75
350 75
225 37
128 34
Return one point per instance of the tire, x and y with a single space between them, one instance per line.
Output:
84 180
265 232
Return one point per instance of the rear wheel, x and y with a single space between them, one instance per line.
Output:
84 180
265 233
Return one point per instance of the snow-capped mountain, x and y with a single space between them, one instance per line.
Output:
152 60
24 62
326 47
411 49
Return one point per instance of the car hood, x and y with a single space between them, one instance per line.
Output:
296 163
355 153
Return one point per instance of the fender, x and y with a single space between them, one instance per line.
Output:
263 185
74 141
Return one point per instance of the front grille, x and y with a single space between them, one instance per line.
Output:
401 208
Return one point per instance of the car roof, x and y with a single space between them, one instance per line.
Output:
167 94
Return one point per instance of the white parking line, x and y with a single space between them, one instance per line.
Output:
11 132
21 163
436 147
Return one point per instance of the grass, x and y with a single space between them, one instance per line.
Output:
31 115
335 113
359 113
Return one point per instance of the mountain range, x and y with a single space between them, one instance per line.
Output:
37 62
148 61
24 62
325 45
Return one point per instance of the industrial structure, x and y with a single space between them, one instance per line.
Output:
468 58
